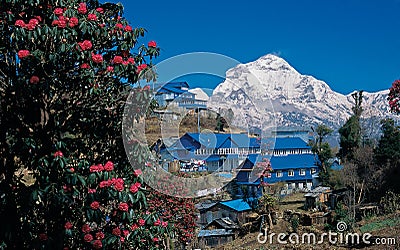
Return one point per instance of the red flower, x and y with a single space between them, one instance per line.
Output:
72 170
155 239
82 8
99 235
123 206
104 184
125 232
97 244
92 17
68 225
88 237
39 18
43 237
128 28
110 68
164 224
58 11
95 205
62 23
152 44
131 60
157 222
137 172
134 227
34 80
116 231
86 228
100 10
125 63
141 222
117 59
141 67
55 22
23 53
85 66
58 154
97 58
147 87
119 26
119 186
85 45
91 191
122 239
133 188
109 166
93 168
20 23
73 21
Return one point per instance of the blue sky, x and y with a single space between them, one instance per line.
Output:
350 44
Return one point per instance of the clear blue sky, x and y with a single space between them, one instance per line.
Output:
352 44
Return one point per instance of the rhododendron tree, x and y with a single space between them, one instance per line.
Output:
394 97
66 69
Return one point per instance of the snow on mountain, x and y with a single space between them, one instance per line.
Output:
200 94
270 92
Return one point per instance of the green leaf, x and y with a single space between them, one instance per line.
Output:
82 180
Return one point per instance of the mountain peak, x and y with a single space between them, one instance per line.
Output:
272 62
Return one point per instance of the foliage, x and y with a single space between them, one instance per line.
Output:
390 202
295 222
323 150
66 69
179 212
394 97
266 204
350 132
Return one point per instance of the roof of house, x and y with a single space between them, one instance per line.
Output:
205 205
286 143
173 87
238 205
291 161
223 223
215 232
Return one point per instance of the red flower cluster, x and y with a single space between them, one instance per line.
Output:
110 68
95 205
99 235
23 53
137 172
85 66
85 45
95 168
97 244
68 225
58 154
82 8
141 222
128 28
152 44
120 60
58 11
88 237
73 21
117 183
100 10
119 26
92 17
116 231
86 228
31 25
394 97
61 22
123 206
97 58
141 67
34 80
109 166
135 187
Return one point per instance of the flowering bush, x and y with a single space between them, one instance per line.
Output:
65 181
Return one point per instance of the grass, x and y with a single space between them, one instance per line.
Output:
377 225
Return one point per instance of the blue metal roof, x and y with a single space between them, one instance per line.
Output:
173 87
285 143
214 232
293 161
237 205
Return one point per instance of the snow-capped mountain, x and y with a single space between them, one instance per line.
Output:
271 93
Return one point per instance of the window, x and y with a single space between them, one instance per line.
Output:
279 174
313 170
302 172
268 175
290 172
